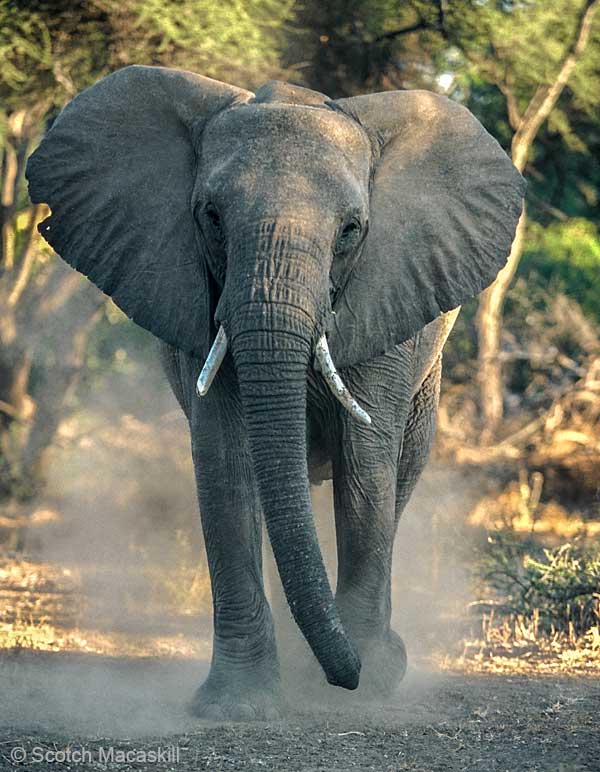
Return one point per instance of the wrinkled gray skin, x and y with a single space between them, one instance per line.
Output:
281 216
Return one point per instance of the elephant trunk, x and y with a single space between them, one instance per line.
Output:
271 342
272 369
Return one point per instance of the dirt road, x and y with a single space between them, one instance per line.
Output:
70 712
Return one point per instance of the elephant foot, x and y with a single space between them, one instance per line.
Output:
383 665
236 699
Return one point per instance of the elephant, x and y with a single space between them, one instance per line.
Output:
301 260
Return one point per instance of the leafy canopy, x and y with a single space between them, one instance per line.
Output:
51 49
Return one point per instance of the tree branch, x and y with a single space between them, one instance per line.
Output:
514 115
422 24
419 25
9 410
546 207
14 159
16 144
546 96
26 257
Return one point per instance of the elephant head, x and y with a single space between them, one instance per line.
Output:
277 218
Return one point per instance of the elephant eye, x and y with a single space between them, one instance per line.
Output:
214 218
348 236
350 228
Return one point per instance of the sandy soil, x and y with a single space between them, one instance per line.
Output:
53 704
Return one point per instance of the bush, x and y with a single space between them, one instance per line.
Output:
560 586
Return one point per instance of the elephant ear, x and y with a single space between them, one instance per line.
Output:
117 169
445 203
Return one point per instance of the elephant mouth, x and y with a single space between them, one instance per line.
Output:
323 362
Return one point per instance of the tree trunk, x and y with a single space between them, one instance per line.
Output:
491 301
489 332
14 157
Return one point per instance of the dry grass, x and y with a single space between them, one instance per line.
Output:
518 508
45 608
30 635
37 590
517 646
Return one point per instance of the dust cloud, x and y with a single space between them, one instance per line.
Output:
430 581
135 621
431 585
77 696
122 483
123 486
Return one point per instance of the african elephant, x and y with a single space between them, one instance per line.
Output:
263 238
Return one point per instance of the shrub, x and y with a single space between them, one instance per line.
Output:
560 586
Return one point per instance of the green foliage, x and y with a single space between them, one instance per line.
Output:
460 351
521 45
49 51
238 39
565 256
561 586
564 177
24 42
55 48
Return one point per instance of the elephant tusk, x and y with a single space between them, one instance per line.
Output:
335 383
215 358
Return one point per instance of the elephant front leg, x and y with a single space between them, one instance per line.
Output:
364 497
364 475
243 682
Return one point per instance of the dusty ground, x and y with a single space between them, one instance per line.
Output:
55 704
97 664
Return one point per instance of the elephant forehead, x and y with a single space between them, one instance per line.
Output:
287 127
